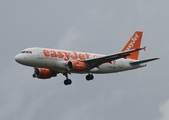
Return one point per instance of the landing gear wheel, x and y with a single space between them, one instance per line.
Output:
67 82
89 77
34 75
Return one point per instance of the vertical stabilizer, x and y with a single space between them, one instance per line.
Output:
133 43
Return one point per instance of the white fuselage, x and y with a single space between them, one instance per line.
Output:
57 60
48 62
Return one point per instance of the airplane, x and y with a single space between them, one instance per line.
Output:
48 62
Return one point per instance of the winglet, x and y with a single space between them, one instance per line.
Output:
144 48
133 43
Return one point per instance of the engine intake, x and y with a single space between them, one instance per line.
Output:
76 66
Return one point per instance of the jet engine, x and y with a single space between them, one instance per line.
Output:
44 73
76 66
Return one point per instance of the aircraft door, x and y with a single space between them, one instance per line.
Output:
40 55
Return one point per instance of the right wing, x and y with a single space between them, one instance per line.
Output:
95 62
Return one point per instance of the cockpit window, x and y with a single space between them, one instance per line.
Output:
29 52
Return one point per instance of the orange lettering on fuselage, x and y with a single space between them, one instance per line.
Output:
60 54
81 56
74 57
66 55
53 53
87 55
46 53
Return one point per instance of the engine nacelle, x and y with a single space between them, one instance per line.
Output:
43 73
76 66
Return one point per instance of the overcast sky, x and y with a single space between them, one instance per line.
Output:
92 26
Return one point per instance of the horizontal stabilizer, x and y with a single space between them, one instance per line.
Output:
143 61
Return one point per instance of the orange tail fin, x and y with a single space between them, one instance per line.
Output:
133 43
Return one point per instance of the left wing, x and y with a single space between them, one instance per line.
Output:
95 62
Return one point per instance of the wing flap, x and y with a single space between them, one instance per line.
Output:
143 61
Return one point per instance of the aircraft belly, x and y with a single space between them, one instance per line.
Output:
114 67
105 68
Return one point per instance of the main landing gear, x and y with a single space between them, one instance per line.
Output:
89 77
67 81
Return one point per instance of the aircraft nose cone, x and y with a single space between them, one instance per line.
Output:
18 58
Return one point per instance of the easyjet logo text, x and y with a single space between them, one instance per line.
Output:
133 40
65 55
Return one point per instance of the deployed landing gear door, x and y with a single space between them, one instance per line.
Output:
40 56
